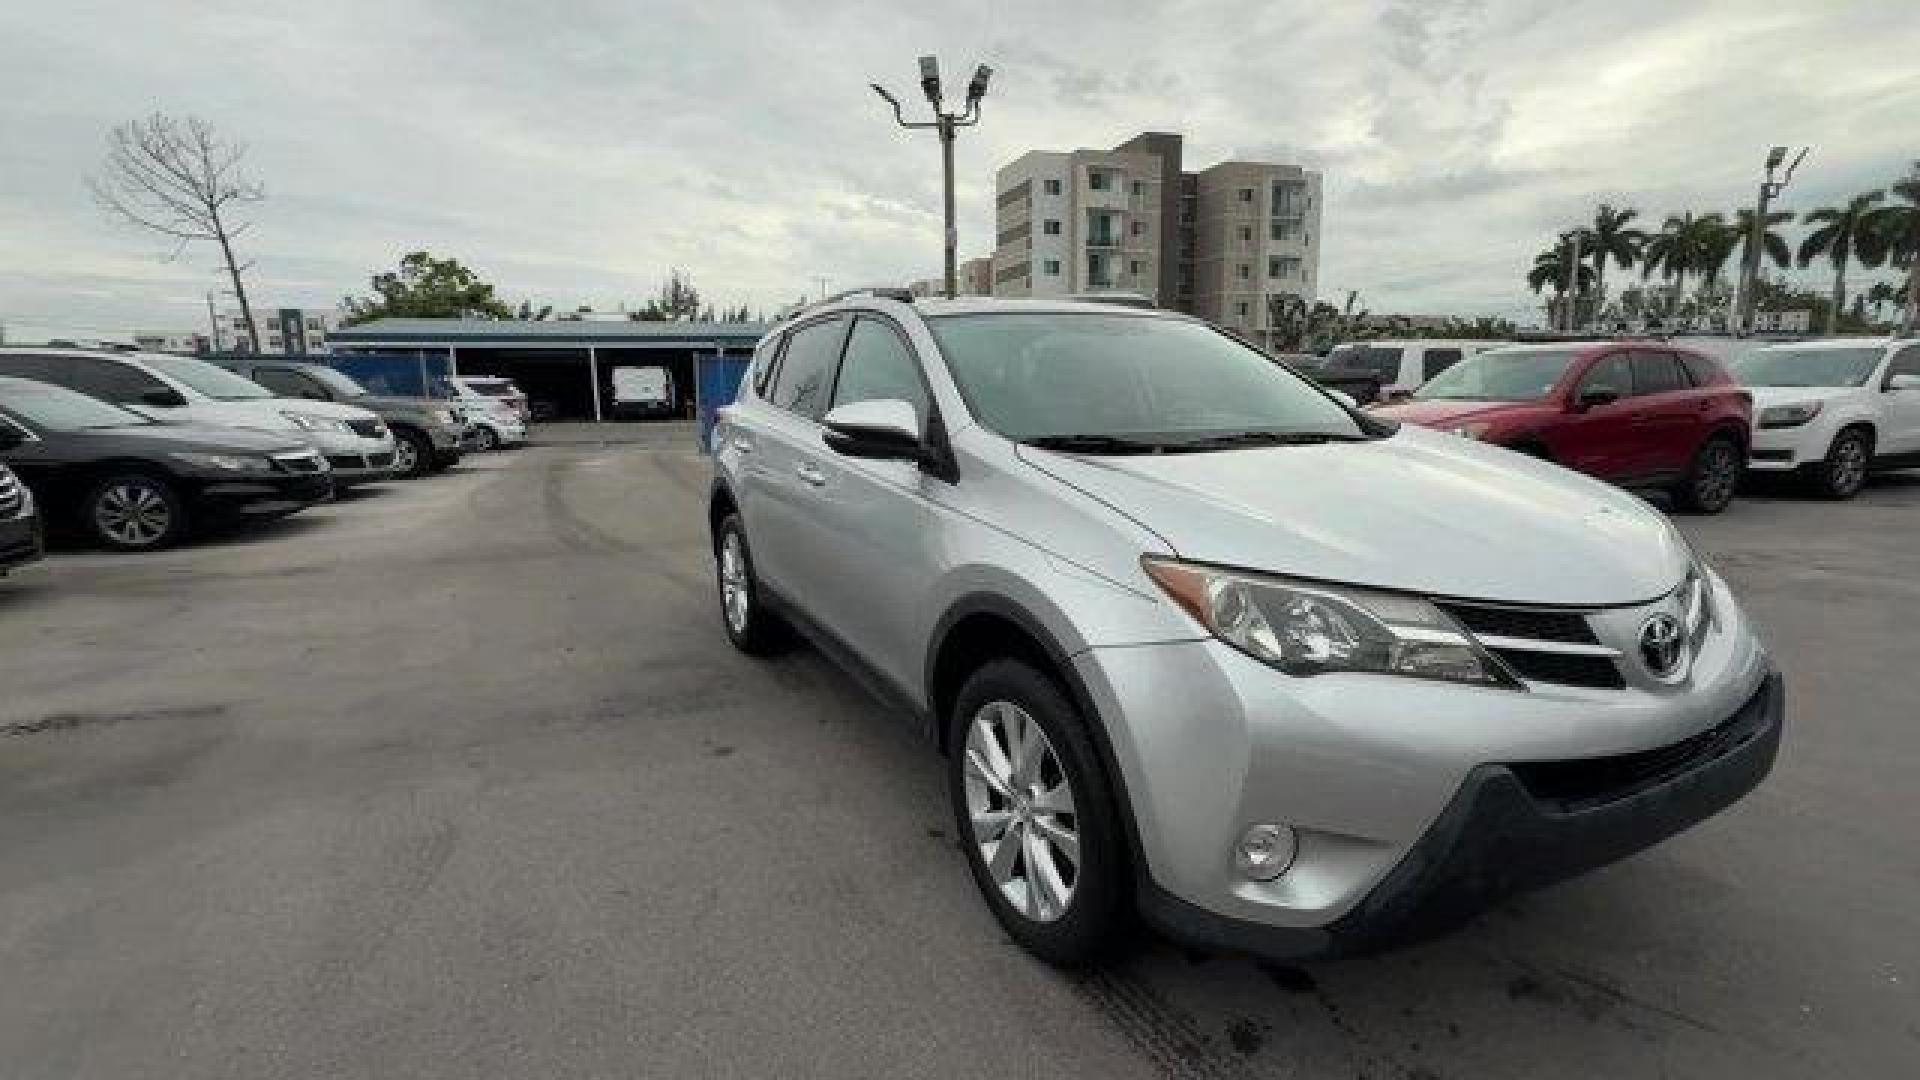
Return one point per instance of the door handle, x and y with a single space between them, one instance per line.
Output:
810 475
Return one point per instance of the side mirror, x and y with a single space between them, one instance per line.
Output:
1593 397
886 429
1902 381
163 398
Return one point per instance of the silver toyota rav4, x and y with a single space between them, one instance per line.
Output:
1201 641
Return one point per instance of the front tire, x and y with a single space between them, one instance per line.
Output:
412 454
135 512
1035 814
489 439
752 628
1713 478
1843 472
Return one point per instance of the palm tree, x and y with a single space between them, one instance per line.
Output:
1894 234
1684 246
1557 264
1773 246
1613 239
1838 236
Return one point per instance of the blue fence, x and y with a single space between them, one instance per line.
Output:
716 384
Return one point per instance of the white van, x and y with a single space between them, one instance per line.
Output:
642 391
1401 366
182 390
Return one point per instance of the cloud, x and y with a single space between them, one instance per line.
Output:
574 159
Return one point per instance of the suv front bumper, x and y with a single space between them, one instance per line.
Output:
1511 828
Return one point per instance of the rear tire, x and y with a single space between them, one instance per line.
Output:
135 511
1843 472
1034 812
751 627
1713 478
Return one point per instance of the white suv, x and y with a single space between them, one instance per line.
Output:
1200 640
1400 367
1835 410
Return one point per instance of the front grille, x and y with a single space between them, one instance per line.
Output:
298 463
367 427
1538 624
379 461
1590 782
1570 669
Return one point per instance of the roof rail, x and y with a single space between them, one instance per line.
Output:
1117 299
885 292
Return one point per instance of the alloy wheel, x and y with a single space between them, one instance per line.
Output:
406 457
1849 469
1020 803
1719 473
735 596
133 513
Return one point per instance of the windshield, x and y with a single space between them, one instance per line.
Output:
1167 381
1805 367
56 408
344 385
217 383
490 389
1500 375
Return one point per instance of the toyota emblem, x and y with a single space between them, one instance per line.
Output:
1661 642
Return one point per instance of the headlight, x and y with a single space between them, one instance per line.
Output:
224 462
1310 629
1780 416
310 422
443 416
1469 431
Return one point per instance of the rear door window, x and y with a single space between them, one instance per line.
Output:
805 378
1656 373
38 368
1700 370
1438 360
288 383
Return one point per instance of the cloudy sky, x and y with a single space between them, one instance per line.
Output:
574 151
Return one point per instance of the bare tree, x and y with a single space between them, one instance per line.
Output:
181 179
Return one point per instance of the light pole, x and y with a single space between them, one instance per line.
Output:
1756 236
946 123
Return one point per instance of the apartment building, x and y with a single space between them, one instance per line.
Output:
1226 243
1078 221
291 331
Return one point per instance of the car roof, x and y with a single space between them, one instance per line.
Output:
1822 344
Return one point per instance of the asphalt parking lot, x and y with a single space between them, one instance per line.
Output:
461 778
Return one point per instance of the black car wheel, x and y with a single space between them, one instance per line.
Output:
488 438
1035 814
135 512
1844 471
1715 476
412 453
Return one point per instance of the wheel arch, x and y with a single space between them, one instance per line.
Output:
720 503
980 627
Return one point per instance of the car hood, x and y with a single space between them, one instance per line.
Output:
1765 396
1439 414
211 440
331 409
1418 511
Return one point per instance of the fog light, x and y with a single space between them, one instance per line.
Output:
1265 852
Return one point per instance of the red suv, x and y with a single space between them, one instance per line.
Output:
1640 414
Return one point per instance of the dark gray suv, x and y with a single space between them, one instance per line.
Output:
427 433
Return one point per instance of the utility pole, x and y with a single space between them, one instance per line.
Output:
822 282
213 322
946 124
1756 236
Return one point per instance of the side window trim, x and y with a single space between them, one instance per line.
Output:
1587 376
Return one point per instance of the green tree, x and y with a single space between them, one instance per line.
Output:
427 288
1893 235
1773 246
1686 246
1838 235
1554 268
1613 238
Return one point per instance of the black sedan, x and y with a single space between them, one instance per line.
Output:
134 484
19 523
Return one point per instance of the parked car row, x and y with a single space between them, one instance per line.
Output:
1651 414
141 450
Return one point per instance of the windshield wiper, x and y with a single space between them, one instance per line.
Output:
1096 444
1271 438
